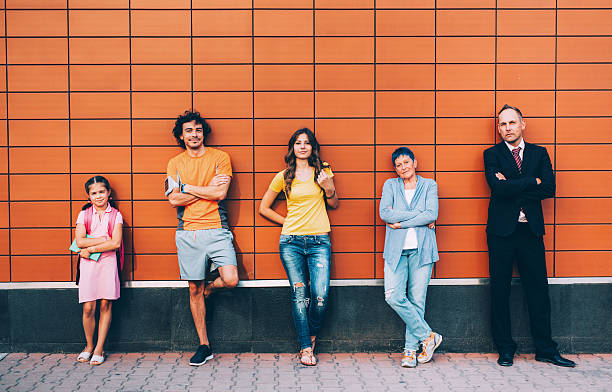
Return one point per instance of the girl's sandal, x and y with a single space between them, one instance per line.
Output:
84 357
97 360
307 358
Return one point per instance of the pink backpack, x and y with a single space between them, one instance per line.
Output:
88 216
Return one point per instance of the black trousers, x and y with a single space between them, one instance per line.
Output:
528 251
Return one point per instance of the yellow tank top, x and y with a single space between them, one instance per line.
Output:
306 213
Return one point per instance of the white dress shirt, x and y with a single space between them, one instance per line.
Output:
521 218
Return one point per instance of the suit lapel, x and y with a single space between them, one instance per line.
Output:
507 155
527 157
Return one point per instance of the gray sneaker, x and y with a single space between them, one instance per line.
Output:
409 359
429 346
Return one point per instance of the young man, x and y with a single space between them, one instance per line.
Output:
409 206
520 176
197 183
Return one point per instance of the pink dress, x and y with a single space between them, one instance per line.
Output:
99 279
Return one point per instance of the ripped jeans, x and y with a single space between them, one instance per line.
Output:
306 259
411 307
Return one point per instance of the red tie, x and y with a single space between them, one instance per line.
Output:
517 157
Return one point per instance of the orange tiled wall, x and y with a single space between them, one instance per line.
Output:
87 90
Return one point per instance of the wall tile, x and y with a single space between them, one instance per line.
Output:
99 23
84 98
405 22
222 23
282 23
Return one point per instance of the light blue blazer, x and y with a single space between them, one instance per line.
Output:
423 210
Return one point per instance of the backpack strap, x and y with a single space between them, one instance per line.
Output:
88 216
111 228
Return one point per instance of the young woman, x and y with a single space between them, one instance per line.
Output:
98 230
305 249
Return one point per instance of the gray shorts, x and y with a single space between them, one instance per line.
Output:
196 247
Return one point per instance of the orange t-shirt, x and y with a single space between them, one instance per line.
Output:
199 171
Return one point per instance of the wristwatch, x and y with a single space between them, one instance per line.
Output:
182 188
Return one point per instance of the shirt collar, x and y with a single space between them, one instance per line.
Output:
107 210
521 145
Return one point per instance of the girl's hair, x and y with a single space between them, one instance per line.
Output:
98 180
314 160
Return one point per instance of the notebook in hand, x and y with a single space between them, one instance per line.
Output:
76 249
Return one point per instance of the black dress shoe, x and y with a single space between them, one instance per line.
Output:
556 359
505 359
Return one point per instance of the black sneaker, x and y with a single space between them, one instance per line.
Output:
211 276
203 354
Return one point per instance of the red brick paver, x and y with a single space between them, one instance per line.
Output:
281 372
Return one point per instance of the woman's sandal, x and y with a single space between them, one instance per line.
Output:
97 360
84 357
307 357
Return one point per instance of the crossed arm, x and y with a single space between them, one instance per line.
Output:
409 218
97 245
529 187
215 190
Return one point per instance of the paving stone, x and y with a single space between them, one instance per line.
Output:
370 372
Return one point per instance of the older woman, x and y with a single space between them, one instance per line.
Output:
409 206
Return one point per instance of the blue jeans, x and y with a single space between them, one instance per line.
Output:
410 308
307 258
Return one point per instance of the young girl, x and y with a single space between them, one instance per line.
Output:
98 280
305 249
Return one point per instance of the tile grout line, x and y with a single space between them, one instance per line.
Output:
131 230
435 75
8 149
191 51
554 249
374 141
495 78
70 195
253 131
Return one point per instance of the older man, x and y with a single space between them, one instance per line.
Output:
520 176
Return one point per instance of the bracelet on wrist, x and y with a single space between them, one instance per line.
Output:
332 195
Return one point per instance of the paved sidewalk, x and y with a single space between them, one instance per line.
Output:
281 372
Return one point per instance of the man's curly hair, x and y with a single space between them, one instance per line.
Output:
186 117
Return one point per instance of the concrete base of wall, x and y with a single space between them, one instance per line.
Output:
259 320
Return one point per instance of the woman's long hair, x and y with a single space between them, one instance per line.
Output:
102 180
314 160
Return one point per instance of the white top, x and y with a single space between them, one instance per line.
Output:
521 145
521 218
411 237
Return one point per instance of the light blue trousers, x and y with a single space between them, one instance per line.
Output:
411 307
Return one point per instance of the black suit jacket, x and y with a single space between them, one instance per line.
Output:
519 190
